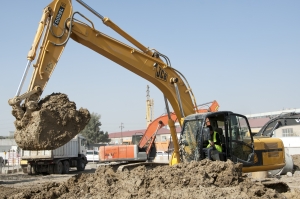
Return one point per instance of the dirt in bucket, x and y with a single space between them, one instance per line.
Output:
48 124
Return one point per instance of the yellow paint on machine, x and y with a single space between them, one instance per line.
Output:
273 155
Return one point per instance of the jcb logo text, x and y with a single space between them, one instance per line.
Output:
161 74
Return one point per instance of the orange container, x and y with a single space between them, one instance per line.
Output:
118 152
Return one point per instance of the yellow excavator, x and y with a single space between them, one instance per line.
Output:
58 24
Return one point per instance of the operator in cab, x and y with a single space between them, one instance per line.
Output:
214 143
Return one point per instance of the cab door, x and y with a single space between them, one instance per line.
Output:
241 147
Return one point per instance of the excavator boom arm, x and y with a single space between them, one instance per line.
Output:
62 26
58 25
138 62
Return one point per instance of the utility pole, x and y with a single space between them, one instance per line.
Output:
121 132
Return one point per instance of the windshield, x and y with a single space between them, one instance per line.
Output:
92 152
189 138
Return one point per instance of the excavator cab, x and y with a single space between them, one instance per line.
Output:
237 144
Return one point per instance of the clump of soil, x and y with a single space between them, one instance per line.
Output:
48 124
204 179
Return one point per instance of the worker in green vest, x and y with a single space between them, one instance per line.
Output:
213 144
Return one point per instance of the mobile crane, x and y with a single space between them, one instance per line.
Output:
58 25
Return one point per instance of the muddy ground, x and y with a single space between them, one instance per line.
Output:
48 124
296 161
205 179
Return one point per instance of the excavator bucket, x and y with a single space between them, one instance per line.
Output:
48 124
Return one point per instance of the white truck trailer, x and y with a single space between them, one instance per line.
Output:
57 161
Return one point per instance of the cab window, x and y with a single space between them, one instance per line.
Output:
190 138
240 137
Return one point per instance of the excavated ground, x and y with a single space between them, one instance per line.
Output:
51 123
205 179
296 161
56 121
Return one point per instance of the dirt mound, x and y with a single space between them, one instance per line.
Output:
5 192
204 179
296 161
48 124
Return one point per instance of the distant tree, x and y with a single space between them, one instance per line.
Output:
92 130
104 137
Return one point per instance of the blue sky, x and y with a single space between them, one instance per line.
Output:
244 54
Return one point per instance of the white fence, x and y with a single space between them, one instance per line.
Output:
12 161
11 158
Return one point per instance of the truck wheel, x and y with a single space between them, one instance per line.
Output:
58 168
33 170
29 169
66 167
80 165
50 169
24 169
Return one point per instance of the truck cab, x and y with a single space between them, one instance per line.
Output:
82 145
